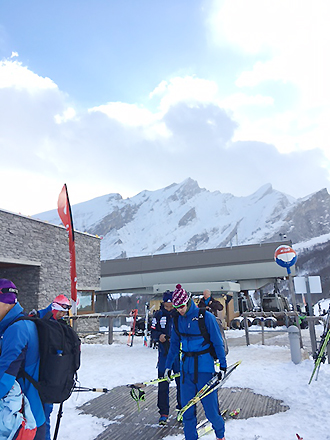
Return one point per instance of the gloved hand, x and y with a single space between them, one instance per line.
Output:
222 372
167 374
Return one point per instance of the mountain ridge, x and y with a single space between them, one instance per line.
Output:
185 217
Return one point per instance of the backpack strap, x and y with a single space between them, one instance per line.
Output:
22 373
205 333
207 340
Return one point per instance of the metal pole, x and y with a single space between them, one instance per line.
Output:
262 322
110 332
309 297
293 296
246 328
312 334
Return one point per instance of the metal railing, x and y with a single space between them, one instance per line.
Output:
111 316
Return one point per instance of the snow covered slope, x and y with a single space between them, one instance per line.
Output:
184 217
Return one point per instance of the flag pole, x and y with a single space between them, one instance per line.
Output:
64 211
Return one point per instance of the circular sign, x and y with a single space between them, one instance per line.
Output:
285 256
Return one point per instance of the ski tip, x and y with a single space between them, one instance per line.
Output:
298 437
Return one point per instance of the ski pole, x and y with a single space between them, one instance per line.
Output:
58 420
152 382
96 390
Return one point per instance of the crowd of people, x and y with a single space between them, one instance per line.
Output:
189 340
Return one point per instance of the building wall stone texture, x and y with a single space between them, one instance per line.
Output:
35 256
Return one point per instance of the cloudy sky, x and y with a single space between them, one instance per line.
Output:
113 96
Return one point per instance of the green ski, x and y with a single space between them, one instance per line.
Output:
320 354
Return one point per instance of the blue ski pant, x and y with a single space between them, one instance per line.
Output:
48 408
210 404
163 402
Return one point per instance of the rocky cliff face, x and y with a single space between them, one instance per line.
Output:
185 217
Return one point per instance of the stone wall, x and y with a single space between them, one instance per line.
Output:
35 256
88 325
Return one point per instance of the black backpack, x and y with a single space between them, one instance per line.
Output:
202 328
59 350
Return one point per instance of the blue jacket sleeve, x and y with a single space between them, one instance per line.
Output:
13 353
216 338
174 349
43 312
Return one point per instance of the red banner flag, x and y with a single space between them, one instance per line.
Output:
64 211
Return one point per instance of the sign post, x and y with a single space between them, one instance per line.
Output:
309 285
286 257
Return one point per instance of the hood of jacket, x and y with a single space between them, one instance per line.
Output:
13 314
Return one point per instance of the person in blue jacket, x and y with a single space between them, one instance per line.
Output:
197 363
19 346
161 327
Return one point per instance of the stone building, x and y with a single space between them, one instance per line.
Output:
35 256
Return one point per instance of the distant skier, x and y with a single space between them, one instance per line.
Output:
197 363
161 327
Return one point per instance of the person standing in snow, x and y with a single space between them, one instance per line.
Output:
210 304
197 363
20 347
161 327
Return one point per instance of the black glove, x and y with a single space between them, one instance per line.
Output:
167 374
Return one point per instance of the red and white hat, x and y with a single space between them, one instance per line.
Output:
61 303
180 296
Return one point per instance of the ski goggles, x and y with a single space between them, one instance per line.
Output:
181 306
8 290
61 307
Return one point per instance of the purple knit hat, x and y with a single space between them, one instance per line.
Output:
180 296
8 291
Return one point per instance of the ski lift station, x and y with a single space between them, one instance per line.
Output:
224 271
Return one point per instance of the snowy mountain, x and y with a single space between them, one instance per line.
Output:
185 217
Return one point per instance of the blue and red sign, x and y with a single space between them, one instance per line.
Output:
285 256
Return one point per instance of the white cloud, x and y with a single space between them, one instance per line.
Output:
288 43
13 74
189 89
125 148
127 114
291 38
238 100
68 114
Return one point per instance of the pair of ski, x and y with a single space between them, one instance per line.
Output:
212 385
205 427
320 354
215 383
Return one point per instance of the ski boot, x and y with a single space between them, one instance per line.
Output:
162 420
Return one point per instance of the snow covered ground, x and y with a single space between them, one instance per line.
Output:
267 370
